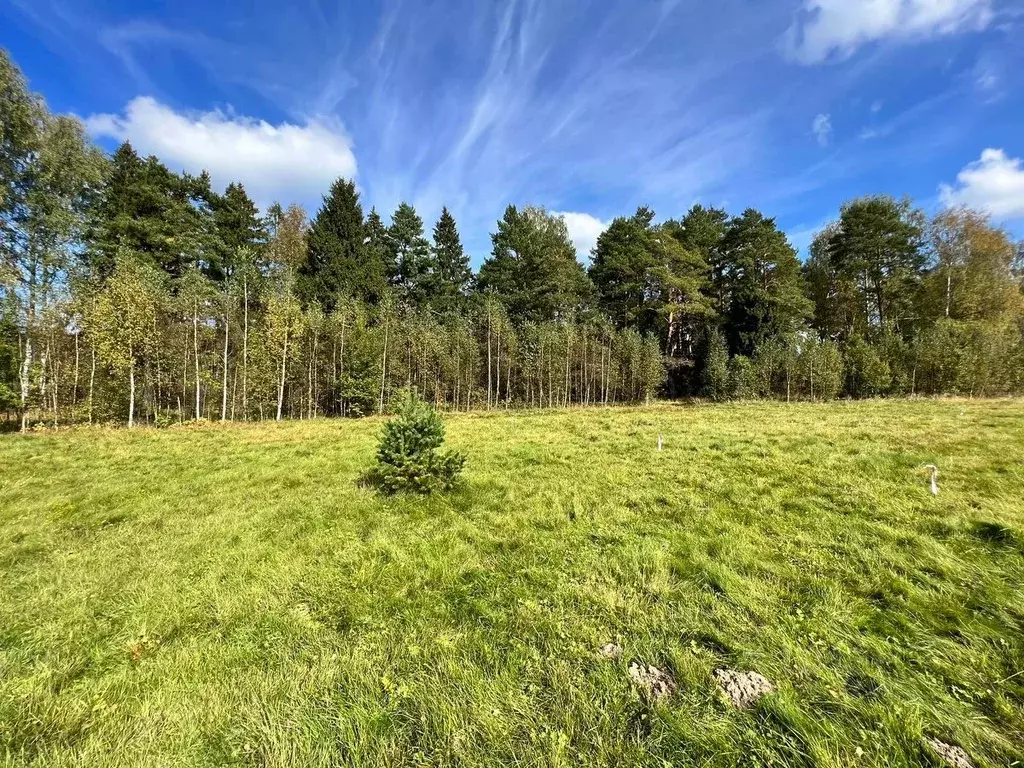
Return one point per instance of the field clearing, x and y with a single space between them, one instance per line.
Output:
229 595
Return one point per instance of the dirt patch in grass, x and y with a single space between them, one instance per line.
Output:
656 684
950 754
611 651
742 689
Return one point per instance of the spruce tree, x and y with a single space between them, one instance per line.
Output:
451 275
147 209
338 264
240 229
410 255
377 245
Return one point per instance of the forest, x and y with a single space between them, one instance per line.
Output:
131 293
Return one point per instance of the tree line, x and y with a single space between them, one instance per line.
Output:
129 292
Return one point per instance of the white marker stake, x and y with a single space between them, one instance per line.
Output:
935 475
659 442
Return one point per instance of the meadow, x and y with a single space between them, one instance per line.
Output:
232 595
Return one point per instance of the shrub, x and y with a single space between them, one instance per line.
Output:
819 369
867 374
163 420
408 456
715 376
742 378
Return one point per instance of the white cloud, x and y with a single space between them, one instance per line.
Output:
834 29
275 162
584 230
822 128
994 184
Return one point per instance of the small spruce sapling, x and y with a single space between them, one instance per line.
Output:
408 456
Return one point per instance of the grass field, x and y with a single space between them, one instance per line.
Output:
231 596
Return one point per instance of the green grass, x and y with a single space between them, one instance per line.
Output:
231 595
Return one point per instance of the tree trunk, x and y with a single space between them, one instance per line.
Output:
341 368
568 349
224 384
508 382
245 351
488 358
92 381
284 367
25 381
195 351
131 389
74 392
383 370
184 378
949 289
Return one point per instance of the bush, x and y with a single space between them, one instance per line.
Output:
408 457
163 420
715 376
819 369
867 374
742 378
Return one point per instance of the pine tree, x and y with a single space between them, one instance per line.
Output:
623 260
877 246
763 282
338 263
533 269
409 456
701 232
835 297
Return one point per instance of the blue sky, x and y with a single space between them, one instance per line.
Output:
586 108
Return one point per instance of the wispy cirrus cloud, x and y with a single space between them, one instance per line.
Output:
822 129
476 106
835 29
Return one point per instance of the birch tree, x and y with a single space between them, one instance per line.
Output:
124 316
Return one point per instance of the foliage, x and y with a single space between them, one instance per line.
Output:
867 374
972 278
742 378
533 268
409 456
819 369
715 376
452 277
338 263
